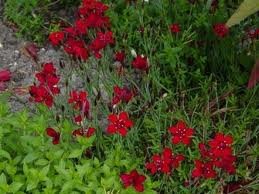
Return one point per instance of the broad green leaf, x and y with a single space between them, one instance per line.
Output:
67 126
2 179
86 142
5 154
45 171
15 186
30 157
67 186
11 170
41 162
75 153
32 185
247 8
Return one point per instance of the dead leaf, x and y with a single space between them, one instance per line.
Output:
21 91
247 8
254 76
31 50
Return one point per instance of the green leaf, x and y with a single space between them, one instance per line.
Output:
45 171
86 142
247 8
11 170
30 157
75 153
67 186
15 186
32 185
2 179
67 126
5 154
41 162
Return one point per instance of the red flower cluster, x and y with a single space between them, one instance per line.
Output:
84 132
165 162
217 154
80 102
47 88
205 170
119 124
56 38
91 15
100 42
121 95
133 179
141 63
55 135
175 28
119 56
221 30
181 133
76 48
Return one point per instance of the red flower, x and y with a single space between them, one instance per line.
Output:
226 163
164 163
92 6
119 124
96 21
55 135
76 48
5 75
175 28
56 37
100 42
119 56
221 30
79 101
83 132
78 118
204 170
140 62
81 26
221 145
41 95
121 94
133 179
48 78
181 133
71 31
45 91
204 151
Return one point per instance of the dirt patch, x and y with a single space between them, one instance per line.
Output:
22 67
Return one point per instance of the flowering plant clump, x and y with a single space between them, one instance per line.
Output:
138 105
121 95
133 179
181 133
119 124
91 17
47 88
221 30
164 163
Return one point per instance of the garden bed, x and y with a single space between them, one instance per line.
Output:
129 97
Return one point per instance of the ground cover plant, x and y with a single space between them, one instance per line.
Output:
163 105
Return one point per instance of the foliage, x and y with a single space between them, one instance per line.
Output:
33 165
34 18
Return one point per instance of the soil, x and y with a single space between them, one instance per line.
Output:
13 56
